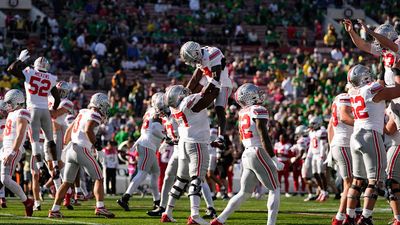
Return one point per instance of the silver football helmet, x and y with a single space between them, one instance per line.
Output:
190 53
300 130
359 75
386 30
315 122
249 94
157 102
175 94
100 102
41 64
13 99
63 89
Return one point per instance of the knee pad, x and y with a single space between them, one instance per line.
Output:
358 189
195 187
178 188
374 194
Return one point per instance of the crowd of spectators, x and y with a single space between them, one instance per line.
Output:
119 37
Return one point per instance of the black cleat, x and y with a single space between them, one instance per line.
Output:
123 204
210 213
69 207
156 204
365 221
156 212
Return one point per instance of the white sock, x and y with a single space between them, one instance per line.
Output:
351 212
205 189
78 190
167 185
194 205
154 187
367 213
233 204
99 204
55 208
57 183
273 205
37 203
170 205
136 181
340 216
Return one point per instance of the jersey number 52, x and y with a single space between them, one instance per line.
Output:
39 86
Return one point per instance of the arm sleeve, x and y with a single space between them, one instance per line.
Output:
259 112
344 99
94 116
25 114
373 89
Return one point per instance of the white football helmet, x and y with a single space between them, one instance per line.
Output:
386 30
41 64
63 89
249 94
100 102
359 75
190 53
301 130
13 99
175 94
157 102
315 122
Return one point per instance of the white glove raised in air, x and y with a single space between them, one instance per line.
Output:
24 55
279 166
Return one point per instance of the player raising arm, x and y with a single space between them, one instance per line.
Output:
259 161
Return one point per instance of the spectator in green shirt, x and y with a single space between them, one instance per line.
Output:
122 134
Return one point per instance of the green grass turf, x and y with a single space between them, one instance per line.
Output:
292 211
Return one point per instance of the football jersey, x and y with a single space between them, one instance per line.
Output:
37 87
317 142
171 126
282 151
193 127
368 114
152 133
78 135
389 59
69 119
342 131
247 126
10 129
65 103
212 56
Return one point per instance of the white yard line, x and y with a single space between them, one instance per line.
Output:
48 219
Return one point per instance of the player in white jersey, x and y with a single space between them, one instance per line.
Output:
39 84
82 135
380 47
367 149
152 134
299 150
190 110
14 136
210 64
317 149
392 143
259 161
340 129
3 117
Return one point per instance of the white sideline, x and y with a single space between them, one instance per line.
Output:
48 219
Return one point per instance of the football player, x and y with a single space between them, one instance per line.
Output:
340 129
190 110
259 161
3 117
368 153
82 135
210 65
14 136
299 151
152 134
39 84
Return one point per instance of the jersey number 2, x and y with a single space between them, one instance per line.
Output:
39 86
244 125
358 107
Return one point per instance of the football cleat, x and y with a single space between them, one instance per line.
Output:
123 204
215 222
156 204
365 221
55 214
102 211
156 212
395 222
336 221
3 203
29 207
166 219
211 213
37 208
80 196
196 220
349 221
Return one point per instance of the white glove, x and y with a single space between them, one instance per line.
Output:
279 166
24 55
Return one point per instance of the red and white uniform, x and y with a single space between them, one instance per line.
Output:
389 59
342 131
212 56
78 135
65 103
283 152
10 130
193 127
317 143
151 133
38 86
247 128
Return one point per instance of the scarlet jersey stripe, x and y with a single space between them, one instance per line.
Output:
376 89
214 54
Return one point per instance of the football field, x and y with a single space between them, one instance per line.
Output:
292 211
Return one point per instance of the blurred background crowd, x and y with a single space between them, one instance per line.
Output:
130 49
